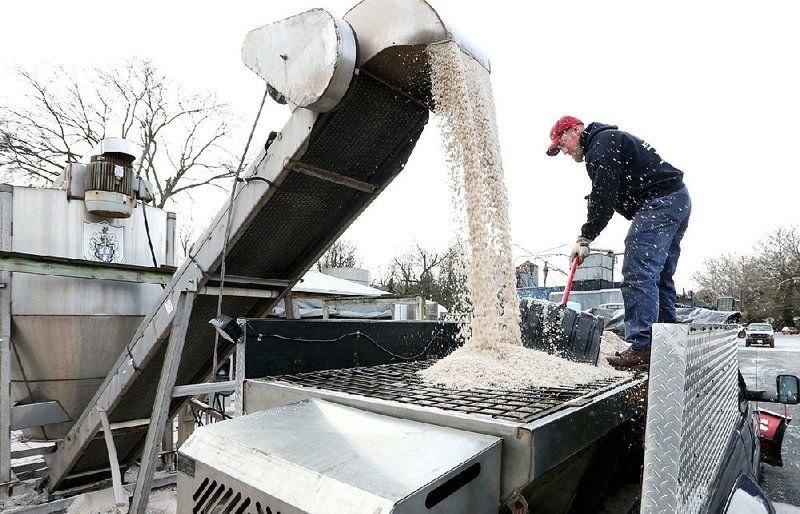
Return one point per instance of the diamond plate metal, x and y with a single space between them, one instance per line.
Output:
691 411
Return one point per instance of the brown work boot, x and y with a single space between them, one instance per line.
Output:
631 359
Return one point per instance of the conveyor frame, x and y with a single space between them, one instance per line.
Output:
310 213
301 193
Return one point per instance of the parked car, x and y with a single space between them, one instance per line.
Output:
790 331
742 331
759 333
757 438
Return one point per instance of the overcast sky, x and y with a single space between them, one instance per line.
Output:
711 85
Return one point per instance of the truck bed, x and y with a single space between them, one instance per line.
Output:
541 428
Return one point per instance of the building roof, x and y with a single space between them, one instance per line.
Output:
319 283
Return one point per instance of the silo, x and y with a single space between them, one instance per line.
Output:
67 332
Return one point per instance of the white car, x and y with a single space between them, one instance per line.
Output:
759 333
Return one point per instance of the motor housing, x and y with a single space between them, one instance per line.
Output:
109 179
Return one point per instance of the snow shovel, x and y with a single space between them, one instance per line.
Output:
552 328
581 331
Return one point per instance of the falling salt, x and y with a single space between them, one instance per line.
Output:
463 101
492 355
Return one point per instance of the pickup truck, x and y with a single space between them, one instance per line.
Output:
369 439
756 439
759 333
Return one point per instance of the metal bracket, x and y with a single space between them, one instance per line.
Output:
205 388
316 172
239 291
517 505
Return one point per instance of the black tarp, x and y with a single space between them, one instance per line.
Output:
615 317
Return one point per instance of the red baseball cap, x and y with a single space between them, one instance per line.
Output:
564 123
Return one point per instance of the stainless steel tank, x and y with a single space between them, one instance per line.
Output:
67 332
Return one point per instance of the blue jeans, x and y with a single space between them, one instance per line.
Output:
652 248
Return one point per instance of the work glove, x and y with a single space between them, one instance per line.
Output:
580 250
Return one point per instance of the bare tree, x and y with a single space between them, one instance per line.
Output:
779 255
65 115
415 270
342 254
451 280
766 282
438 276
779 258
733 275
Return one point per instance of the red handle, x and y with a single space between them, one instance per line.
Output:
568 287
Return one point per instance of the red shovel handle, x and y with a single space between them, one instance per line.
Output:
568 288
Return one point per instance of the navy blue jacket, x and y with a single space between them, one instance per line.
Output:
625 172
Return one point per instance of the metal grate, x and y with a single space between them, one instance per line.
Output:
401 383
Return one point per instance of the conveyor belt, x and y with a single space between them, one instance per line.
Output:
278 232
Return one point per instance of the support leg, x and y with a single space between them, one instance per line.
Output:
185 423
120 497
167 447
5 418
239 374
5 345
158 419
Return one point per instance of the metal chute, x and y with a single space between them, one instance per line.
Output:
309 60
